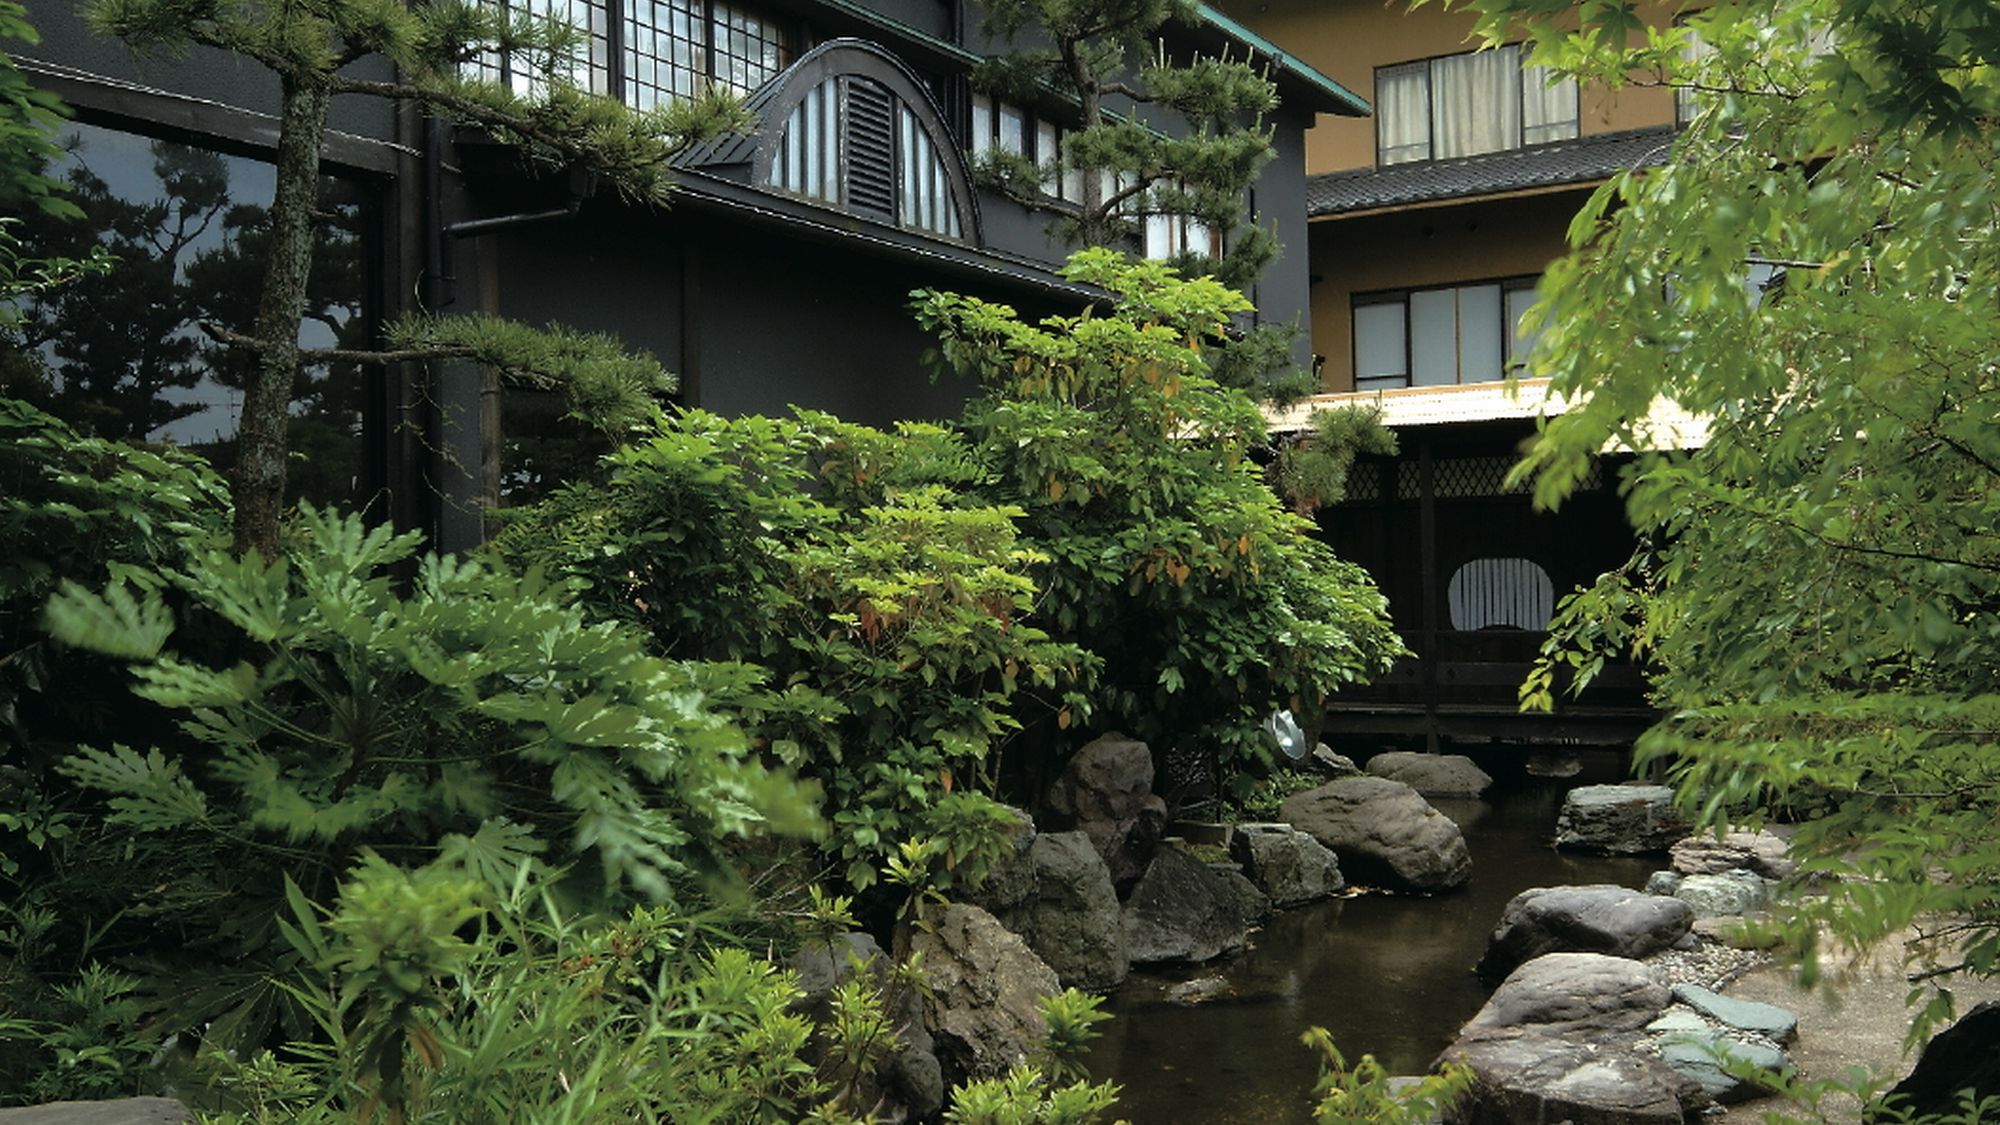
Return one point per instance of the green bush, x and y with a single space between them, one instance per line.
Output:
308 712
893 619
1167 555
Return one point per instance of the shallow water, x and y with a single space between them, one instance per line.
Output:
1389 975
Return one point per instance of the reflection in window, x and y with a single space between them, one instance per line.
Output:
677 48
122 355
588 69
1501 594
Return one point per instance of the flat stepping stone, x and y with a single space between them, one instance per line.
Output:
1704 1057
1768 1020
1678 1020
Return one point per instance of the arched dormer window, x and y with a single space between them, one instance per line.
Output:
849 126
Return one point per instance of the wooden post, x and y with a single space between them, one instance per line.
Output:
1427 568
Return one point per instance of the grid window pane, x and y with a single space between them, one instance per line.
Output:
676 48
588 66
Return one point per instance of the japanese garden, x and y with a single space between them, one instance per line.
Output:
999 562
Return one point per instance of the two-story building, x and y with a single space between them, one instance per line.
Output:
780 275
1430 224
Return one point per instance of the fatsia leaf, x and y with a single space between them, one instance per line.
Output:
113 623
150 793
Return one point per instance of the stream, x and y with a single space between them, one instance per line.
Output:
1389 975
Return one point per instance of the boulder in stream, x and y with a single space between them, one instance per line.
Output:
1289 865
1762 853
1601 918
983 1006
1384 832
1433 775
1575 993
1619 819
1182 910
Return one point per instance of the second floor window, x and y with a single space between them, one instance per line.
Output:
1002 125
1464 105
1440 336
677 48
670 48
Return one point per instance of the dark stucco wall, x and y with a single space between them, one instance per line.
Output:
1283 293
769 321
202 74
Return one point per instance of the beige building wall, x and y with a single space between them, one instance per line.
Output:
1347 39
1416 247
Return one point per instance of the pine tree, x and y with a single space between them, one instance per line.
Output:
314 46
1157 135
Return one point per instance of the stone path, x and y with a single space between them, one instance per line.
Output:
1862 1024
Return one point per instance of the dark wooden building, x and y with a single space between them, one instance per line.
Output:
1473 572
780 275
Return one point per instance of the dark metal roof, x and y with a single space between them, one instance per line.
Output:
1565 162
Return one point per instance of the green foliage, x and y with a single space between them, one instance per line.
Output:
1361 1094
1167 556
1101 50
308 711
28 117
1261 800
1024 1097
887 616
1820 588
1312 471
605 386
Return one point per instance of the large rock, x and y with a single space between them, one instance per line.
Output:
1761 853
1767 1020
983 1006
1010 881
1289 865
1106 791
910 1083
1384 833
1071 919
1574 994
1524 1075
1964 1056
1182 910
1619 819
1330 764
1602 918
117 1111
1721 896
1433 775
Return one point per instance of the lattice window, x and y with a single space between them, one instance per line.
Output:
589 68
676 48
1460 478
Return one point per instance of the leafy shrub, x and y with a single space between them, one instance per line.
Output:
1362 1095
1166 553
319 714
1261 800
893 619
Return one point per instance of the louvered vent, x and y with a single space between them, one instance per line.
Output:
871 149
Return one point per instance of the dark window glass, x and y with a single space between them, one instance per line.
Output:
123 355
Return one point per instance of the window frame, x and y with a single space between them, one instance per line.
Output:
615 77
1426 66
1036 129
1511 353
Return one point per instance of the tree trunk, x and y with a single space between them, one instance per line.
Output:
261 442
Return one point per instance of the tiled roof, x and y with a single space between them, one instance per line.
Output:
1565 162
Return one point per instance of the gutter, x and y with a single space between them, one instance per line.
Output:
1346 102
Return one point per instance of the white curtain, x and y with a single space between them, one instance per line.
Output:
1548 113
1403 113
1476 102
